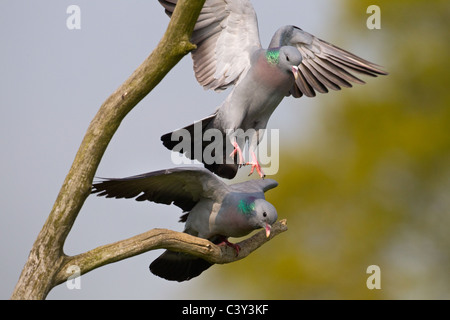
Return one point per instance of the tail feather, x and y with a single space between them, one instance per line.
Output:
194 148
178 266
172 139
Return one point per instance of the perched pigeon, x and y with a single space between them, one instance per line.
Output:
228 53
216 210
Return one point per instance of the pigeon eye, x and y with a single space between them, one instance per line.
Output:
287 58
264 214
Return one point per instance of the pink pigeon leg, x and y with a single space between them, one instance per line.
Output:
233 245
237 150
255 165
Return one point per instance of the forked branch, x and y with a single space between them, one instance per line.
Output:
47 264
46 255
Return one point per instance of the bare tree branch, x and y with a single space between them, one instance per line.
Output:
47 264
167 239
37 277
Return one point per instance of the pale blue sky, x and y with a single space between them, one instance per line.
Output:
53 81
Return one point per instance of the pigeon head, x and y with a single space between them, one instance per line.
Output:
273 55
260 213
290 59
287 58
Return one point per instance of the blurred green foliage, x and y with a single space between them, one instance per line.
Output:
373 186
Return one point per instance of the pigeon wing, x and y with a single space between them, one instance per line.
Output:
324 66
256 185
183 187
226 34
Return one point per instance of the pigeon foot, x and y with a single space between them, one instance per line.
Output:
232 245
255 165
237 150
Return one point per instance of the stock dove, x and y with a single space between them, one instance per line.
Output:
229 52
215 210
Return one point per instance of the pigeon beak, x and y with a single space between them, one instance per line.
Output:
268 228
295 71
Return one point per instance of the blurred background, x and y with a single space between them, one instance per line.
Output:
364 174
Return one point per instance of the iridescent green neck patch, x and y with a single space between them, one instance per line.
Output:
273 55
246 207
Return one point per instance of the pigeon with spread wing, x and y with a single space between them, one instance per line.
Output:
229 53
215 210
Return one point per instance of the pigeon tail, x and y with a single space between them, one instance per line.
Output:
195 138
178 266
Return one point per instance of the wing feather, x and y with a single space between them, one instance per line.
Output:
255 185
226 34
324 66
183 187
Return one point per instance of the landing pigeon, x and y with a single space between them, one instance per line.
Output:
215 210
229 52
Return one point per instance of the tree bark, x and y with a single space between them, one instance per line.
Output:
167 239
46 256
47 263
